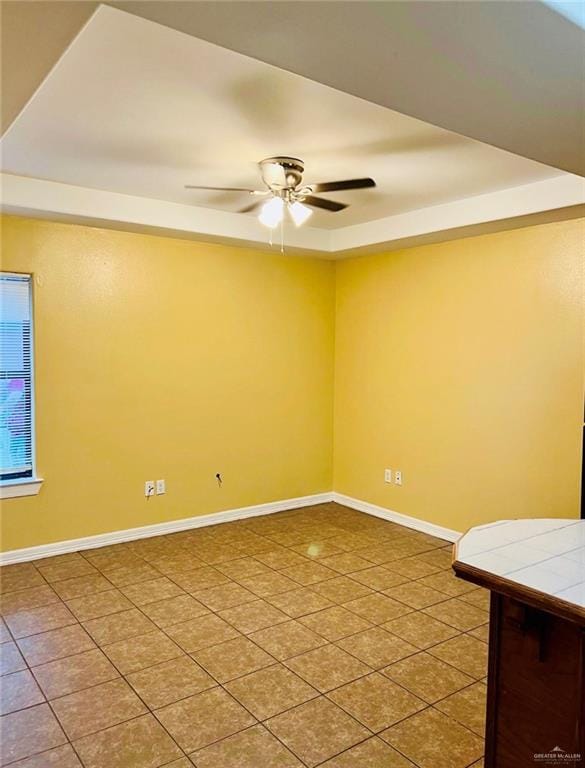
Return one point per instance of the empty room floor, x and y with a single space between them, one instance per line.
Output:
319 636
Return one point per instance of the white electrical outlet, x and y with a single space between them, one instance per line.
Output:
398 477
387 475
149 488
160 487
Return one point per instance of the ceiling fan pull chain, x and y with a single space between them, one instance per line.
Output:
282 235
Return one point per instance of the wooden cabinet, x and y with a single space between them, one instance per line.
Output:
536 687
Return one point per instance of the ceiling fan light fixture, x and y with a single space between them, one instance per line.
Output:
272 212
299 213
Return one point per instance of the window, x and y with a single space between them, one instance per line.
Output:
16 383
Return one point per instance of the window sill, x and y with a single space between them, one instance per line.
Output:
15 488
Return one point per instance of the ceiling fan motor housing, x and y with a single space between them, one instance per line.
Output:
282 173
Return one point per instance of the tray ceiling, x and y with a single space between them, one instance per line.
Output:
136 108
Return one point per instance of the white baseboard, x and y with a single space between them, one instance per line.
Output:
146 531
396 517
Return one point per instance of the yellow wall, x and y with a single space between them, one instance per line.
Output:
461 364
161 358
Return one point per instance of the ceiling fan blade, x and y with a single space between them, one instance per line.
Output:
321 202
335 186
252 207
221 189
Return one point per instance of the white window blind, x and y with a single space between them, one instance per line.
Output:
16 395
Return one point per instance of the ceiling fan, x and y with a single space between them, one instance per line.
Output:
283 177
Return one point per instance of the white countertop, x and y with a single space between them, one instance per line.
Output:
546 556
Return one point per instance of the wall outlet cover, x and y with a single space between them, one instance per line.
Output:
160 487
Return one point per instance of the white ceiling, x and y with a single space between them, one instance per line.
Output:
139 109
509 74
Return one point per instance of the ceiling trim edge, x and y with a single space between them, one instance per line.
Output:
536 197
48 199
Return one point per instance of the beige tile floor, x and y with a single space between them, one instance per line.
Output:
314 637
